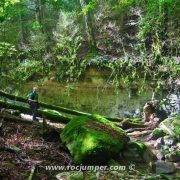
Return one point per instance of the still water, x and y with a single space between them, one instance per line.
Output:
93 98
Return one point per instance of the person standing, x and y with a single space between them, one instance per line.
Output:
33 102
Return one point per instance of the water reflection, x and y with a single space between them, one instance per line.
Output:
92 98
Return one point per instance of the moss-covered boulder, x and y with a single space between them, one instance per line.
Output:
137 151
171 126
93 139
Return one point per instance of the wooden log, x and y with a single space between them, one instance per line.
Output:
11 118
53 107
49 114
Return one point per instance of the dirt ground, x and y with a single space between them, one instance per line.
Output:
23 147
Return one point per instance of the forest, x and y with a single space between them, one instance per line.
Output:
89 89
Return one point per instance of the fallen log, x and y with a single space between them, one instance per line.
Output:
53 107
42 104
52 115
11 118
55 116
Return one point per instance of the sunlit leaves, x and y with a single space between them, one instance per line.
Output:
7 49
36 25
6 8
91 5
166 1
26 69
121 5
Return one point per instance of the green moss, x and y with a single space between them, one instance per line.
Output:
158 133
176 124
138 152
54 112
176 153
171 126
93 139
132 123
136 120
139 146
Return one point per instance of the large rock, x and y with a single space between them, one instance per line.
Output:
162 167
154 109
93 139
138 152
171 126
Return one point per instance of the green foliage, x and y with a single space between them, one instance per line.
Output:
60 34
69 41
8 56
176 124
65 5
36 25
91 5
7 9
139 146
122 5
7 50
154 22
38 41
26 70
157 133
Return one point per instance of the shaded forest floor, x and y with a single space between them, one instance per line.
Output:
23 147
